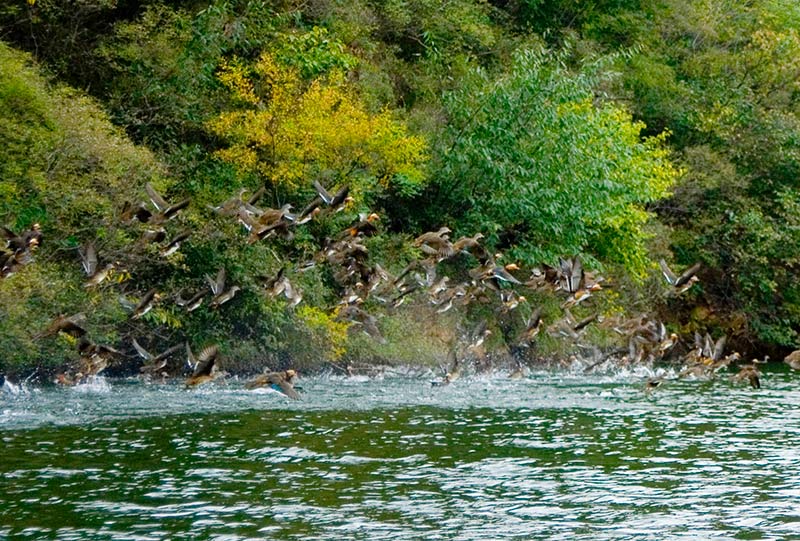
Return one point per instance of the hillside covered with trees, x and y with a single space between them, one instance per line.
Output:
622 132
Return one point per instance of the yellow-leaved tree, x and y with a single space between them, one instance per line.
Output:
288 129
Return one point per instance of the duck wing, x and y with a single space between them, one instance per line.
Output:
205 361
340 196
217 285
323 193
687 274
719 348
167 352
89 258
256 195
14 241
502 274
158 201
9 234
148 297
575 275
143 353
287 389
172 210
669 276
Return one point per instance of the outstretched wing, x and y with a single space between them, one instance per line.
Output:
156 198
669 276
575 275
89 259
708 346
536 318
191 360
143 353
340 196
288 389
8 234
687 274
176 208
218 284
205 361
148 297
256 195
323 193
167 352
719 348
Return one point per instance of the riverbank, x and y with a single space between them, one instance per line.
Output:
303 184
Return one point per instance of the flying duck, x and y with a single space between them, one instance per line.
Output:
453 373
472 245
436 243
221 295
266 223
11 262
203 366
145 304
360 317
155 364
154 236
280 381
232 206
336 202
89 261
71 325
94 358
194 302
134 211
683 282
570 275
25 241
280 285
165 211
174 244
365 226
492 274
532 327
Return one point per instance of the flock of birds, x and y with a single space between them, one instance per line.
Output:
486 280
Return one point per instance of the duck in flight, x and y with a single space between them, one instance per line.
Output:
25 241
282 381
89 261
336 202
204 365
164 210
683 282
155 365
71 325
221 295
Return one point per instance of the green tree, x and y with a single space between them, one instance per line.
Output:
532 159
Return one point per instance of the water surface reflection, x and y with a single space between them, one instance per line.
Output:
556 456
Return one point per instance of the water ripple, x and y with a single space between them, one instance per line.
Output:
556 456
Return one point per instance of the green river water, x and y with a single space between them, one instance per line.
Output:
552 456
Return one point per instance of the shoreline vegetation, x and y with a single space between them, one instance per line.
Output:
261 187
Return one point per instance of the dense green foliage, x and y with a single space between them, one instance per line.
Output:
553 128
723 78
530 158
70 169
